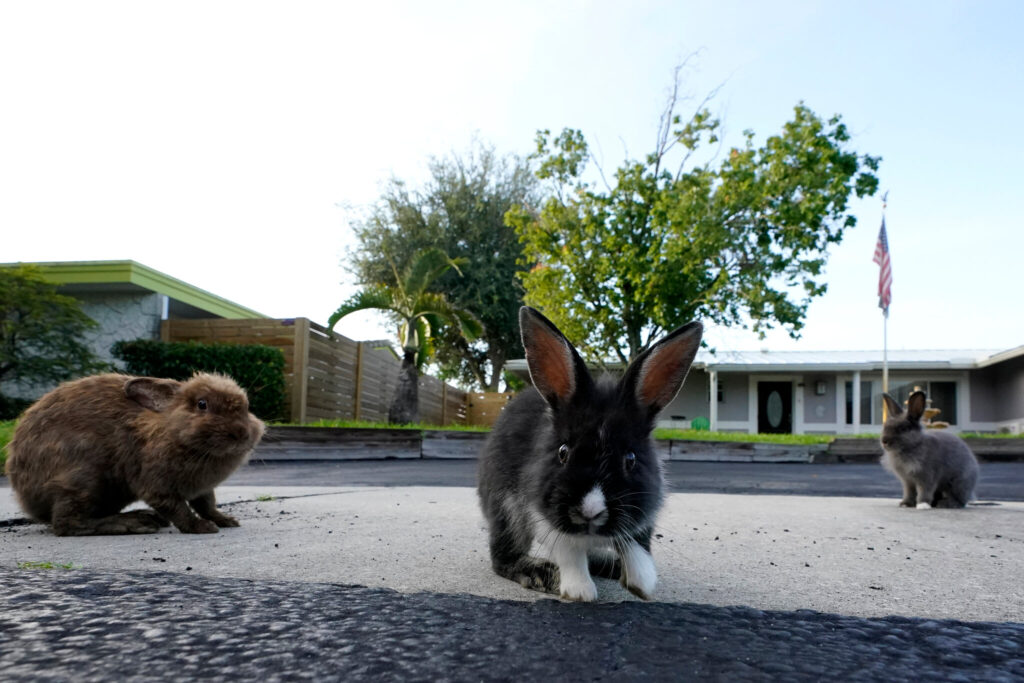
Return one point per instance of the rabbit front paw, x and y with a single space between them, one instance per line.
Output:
578 587
198 526
223 520
924 506
638 573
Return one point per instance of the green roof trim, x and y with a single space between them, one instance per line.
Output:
130 272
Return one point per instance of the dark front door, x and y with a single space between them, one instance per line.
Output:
774 407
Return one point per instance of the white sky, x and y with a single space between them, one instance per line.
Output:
217 141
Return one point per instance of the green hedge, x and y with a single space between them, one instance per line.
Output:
257 369
10 408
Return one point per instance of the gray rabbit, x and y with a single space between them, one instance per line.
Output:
936 467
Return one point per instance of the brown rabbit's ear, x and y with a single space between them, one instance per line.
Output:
152 394
916 405
556 368
892 405
657 374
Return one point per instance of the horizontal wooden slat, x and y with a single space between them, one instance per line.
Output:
329 369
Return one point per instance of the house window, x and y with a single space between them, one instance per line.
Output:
941 395
865 403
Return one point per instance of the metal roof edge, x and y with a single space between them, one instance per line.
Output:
94 272
1002 356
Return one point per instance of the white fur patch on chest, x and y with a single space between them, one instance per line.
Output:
594 503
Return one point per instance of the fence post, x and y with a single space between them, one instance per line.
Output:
358 396
300 370
444 403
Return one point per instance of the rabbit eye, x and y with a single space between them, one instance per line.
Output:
563 454
201 404
630 460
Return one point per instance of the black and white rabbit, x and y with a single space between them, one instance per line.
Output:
570 464
937 468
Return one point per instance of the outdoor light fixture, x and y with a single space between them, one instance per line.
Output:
819 387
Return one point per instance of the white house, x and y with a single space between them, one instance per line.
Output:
840 392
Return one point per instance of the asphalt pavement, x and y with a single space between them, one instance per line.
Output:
999 481
362 576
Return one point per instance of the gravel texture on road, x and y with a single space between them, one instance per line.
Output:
85 625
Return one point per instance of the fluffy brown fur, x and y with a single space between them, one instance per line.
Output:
94 445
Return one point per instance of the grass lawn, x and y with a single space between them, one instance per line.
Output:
363 424
7 429
695 435
679 434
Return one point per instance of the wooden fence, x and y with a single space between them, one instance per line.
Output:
484 408
327 376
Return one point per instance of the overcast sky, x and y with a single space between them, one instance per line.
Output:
220 142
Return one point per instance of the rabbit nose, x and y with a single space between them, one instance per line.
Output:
593 510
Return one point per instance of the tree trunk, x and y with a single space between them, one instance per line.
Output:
497 360
405 407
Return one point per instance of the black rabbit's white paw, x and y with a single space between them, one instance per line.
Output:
924 506
579 587
638 573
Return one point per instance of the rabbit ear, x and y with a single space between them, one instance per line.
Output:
893 406
916 405
151 394
656 375
556 368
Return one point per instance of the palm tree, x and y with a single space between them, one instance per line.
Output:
420 314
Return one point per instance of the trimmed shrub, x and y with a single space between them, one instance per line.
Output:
257 369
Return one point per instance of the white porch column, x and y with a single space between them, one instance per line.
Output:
713 399
856 401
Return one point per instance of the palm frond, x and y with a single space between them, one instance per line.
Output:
470 327
427 266
372 298
426 342
430 304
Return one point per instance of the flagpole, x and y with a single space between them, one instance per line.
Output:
885 355
885 336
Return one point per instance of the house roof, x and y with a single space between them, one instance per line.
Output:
931 359
78 277
835 361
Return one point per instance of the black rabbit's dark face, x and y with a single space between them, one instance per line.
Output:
601 475
596 471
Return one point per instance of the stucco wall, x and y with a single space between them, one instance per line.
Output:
820 409
119 316
997 392
691 401
735 405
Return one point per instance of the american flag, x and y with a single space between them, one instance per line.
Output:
884 270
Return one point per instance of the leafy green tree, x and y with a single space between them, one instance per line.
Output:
41 331
460 210
739 241
418 312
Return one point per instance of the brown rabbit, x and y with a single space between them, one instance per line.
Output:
94 445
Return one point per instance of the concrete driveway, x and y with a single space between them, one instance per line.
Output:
862 557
